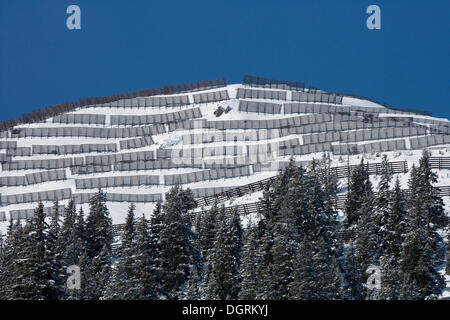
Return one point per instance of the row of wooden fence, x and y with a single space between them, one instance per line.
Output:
254 207
340 172
440 162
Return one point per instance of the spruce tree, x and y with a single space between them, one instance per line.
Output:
329 184
98 226
41 277
382 209
56 258
113 291
303 286
14 264
393 234
123 284
54 228
66 246
321 183
236 233
353 285
80 234
177 252
282 231
251 265
225 257
21 272
126 263
433 207
410 290
365 240
279 272
99 237
209 289
77 249
327 274
100 272
206 230
294 208
417 263
146 276
193 291
358 188
87 286
298 204
262 235
278 190
155 229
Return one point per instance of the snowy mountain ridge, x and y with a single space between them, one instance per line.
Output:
131 147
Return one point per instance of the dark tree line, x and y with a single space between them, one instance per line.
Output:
292 250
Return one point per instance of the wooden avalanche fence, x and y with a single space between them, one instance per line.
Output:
255 207
440 162
444 191
341 172
235 192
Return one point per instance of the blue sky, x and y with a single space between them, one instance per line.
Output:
132 45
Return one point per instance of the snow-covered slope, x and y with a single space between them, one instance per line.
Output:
136 149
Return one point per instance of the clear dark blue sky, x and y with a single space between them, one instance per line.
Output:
132 45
